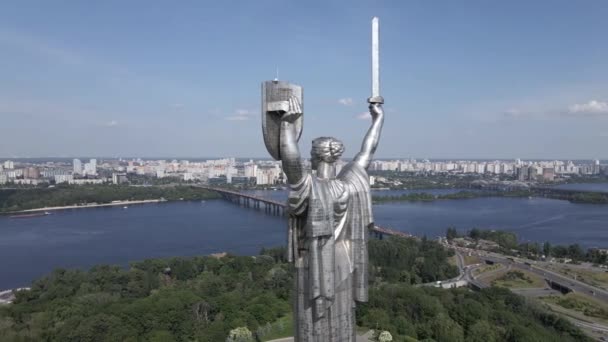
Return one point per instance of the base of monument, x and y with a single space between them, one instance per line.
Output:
360 338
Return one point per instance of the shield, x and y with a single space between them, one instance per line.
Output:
275 97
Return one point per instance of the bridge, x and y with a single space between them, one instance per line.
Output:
250 201
280 208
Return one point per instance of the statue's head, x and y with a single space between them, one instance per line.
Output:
325 149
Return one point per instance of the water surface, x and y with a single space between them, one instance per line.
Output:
32 247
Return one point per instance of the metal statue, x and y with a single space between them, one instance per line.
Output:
329 215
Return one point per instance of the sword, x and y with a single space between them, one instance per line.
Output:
375 98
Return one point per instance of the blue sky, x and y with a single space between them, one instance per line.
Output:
466 79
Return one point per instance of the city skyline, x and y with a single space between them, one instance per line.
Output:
461 81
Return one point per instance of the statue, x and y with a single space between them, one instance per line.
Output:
329 215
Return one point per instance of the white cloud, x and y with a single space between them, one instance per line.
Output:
244 112
347 101
364 116
39 47
513 113
111 123
591 107
237 118
241 115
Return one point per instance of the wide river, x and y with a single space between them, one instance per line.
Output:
32 247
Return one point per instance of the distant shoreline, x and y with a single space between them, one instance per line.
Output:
90 205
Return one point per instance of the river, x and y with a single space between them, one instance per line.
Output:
32 247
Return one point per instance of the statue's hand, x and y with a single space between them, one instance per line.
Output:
375 109
294 112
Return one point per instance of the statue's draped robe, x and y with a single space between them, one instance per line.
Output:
328 230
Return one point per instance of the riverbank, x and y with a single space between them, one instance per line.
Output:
581 197
73 197
8 296
427 197
88 205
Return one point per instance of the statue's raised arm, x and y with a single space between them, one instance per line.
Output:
290 153
370 142
282 118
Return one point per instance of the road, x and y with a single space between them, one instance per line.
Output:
575 285
536 292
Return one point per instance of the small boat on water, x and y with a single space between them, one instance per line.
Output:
125 207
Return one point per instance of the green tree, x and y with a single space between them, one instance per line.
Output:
482 331
446 329
385 336
240 334
475 234
547 249
575 252
451 233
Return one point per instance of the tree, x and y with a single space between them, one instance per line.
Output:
547 249
446 329
451 233
385 336
481 331
240 334
575 251
475 234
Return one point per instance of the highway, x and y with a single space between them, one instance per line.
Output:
577 286
572 284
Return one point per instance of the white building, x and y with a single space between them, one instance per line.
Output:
251 169
9 165
63 179
77 166
87 181
90 168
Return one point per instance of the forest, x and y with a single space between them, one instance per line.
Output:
208 298
508 244
62 195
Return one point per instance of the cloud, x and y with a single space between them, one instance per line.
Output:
591 107
512 113
111 123
364 116
241 115
39 47
244 112
237 118
347 101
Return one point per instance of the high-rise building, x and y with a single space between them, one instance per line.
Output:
548 174
9 165
119 178
523 173
90 168
31 173
77 165
596 167
251 170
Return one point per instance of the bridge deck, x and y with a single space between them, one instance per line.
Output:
377 229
